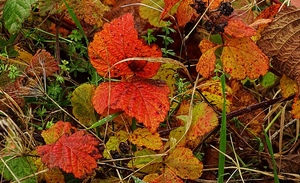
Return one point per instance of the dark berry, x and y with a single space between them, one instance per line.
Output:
115 154
124 147
199 6
225 8
208 26
219 28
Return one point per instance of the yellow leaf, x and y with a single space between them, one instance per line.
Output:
176 135
212 90
145 159
168 176
143 137
113 143
296 107
167 73
183 163
53 175
288 86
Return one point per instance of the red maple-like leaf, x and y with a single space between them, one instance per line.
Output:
74 153
42 63
145 99
117 41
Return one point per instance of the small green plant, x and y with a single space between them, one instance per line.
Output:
13 71
167 40
150 38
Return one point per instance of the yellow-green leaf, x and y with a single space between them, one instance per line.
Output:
143 137
81 101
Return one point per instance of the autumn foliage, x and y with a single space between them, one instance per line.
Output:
154 91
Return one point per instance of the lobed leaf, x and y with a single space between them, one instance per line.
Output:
185 13
237 28
281 41
76 153
81 101
242 58
117 41
20 166
207 61
146 100
42 63
168 176
183 163
212 90
15 12
56 131
143 137
204 120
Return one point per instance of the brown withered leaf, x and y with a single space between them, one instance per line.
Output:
281 41
289 163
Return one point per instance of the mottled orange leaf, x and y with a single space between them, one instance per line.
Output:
76 153
288 86
183 163
42 63
117 41
237 28
204 120
185 12
168 176
214 4
143 137
168 5
212 90
146 100
242 58
207 61
56 131
296 107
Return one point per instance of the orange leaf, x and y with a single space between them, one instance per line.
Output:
296 107
237 28
75 154
183 163
204 120
42 63
167 177
168 6
146 100
242 58
207 61
185 12
117 41
56 131
143 137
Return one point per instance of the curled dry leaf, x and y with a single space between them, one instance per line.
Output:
117 41
42 63
281 41
76 153
143 137
146 100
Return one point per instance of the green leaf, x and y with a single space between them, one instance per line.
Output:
20 166
15 12
268 80
83 108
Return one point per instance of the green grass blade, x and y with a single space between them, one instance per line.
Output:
222 134
75 19
269 145
105 120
